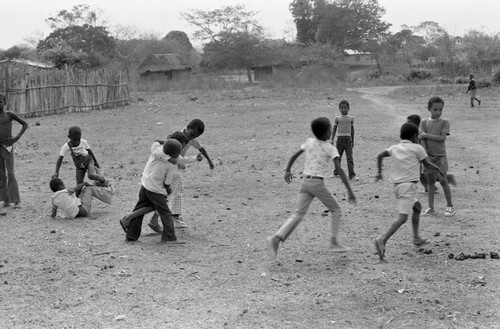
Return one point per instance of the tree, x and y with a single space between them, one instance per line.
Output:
408 44
92 42
214 25
79 15
349 24
305 13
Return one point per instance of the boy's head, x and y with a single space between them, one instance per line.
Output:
344 107
435 105
471 76
56 184
75 134
195 129
408 131
414 118
181 137
172 147
321 128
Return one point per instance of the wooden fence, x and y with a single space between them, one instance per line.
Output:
34 91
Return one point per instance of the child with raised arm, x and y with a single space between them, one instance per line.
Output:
433 132
343 127
320 154
72 206
9 190
83 158
405 173
155 186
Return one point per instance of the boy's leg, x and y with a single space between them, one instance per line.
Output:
125 220
3 176
393 228
431 182
104 194
11 183
86 198
325 196
304 200
160 203
176 201
135 225
415 222
350 160
340 145
91 172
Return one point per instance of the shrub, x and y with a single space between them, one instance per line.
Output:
496 77
421 74
461 80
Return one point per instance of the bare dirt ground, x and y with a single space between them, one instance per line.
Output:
61 273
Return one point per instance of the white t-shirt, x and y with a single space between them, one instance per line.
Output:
406 157
157 172
319 157
81 149
67 202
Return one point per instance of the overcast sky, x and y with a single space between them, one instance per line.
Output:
22 19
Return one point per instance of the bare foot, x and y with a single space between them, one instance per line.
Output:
338 248
419 241
172 242
273 243
380 247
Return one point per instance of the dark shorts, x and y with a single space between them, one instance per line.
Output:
440 161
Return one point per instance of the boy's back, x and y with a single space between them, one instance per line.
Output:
406 161
157 171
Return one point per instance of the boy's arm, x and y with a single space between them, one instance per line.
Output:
380 158
205 154
93 157
345 180
427 163
436 138
54 211
78 188
334 131
24 124
58 166
288 174
352 133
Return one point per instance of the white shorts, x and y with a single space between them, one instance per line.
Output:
406 193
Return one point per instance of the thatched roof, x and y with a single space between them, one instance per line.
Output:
162 63
25 62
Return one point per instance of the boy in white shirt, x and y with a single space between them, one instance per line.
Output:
65 199
155 186
320 155
405 174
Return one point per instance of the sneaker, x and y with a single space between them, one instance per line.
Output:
419 242
122 224
428 212
449 212
6 204
179 223
17 205
354 177
155 227
451 179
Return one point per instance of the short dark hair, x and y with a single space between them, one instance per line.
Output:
414 118
56 184
344 102
172 147
72 131
198 125
320 126
434 100
179 136
408 130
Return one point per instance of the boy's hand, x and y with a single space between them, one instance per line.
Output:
199 157
378 177
288 177
54 176
211 164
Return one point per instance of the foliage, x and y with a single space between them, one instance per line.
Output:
92 43
79 15
482 51
214 25
421 74
496 77
180 38
347 24
11 53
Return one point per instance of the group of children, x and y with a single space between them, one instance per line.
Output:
422 144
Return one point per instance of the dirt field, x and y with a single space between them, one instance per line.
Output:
61 273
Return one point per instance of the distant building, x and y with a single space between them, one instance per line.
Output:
354 57
164 67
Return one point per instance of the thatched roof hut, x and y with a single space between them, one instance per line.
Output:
164 66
